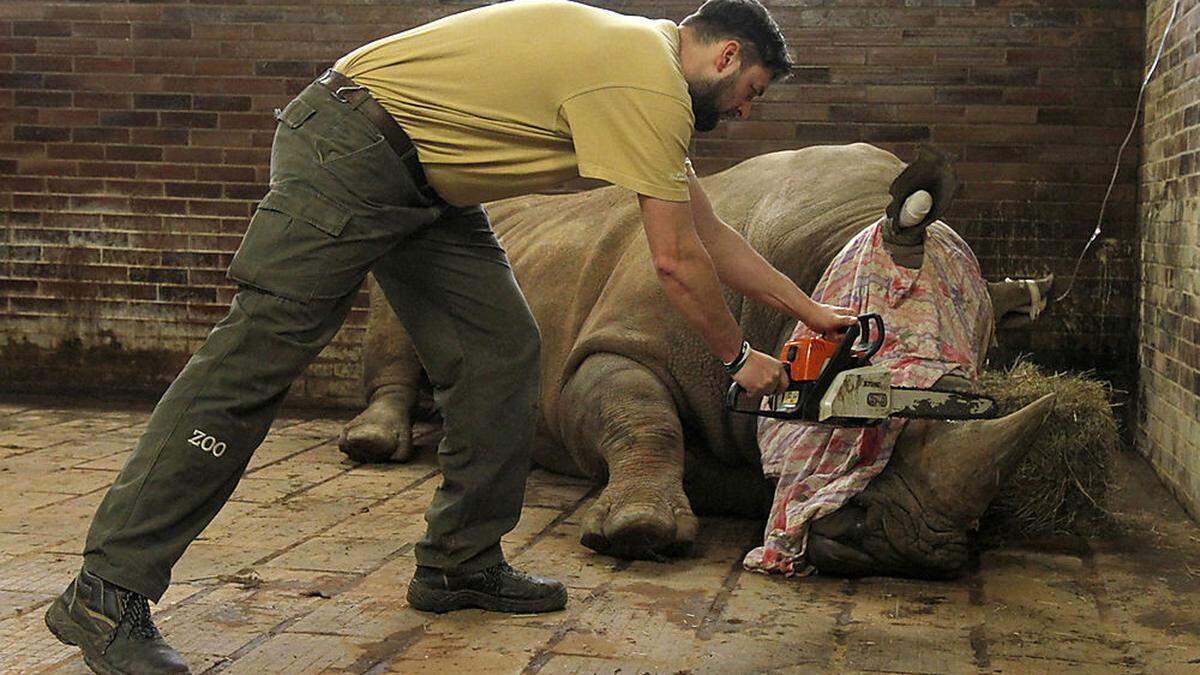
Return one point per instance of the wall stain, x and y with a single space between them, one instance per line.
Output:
73 367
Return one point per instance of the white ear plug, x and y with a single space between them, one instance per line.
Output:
915 208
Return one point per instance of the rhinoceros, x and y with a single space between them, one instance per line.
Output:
631 398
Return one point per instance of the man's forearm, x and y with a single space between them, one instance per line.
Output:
694 291
739 266
688 278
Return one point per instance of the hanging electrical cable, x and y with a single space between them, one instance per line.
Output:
1132 126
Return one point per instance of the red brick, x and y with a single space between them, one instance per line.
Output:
204 31
128 222
74 185
23 183
42 99
110 100
166 172
108 169
105 12
192 155
75 151
40 202
100 203
44 63
232 174
41 29
164 66
68 118
247 157
202 190
221 138
244 191
76 46
133 188
134 153
160 136
158 206
219 208
100 135
10 45
162 31
222 103
97 29
246 121
103 64
130 257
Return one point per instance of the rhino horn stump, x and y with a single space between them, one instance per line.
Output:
912 520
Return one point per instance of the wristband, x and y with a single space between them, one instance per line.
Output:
739 360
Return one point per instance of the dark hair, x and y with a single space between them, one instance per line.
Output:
748 22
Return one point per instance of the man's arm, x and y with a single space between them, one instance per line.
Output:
690 282
741 268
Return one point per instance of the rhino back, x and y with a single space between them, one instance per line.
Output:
585 267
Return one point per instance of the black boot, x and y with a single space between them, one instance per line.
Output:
113 628
499 588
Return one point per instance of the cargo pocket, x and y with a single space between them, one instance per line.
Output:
293 248
373 173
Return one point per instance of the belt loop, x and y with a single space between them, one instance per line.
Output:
337 93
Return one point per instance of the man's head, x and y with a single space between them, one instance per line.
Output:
732 50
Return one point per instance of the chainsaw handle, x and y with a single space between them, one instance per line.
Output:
731 396
874 339
731 399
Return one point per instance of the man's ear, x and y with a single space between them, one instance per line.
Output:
729 56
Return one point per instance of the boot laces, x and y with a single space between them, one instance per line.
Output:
136 615
504 569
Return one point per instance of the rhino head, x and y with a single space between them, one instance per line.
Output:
912 520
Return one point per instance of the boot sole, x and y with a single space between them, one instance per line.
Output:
440 601
68 632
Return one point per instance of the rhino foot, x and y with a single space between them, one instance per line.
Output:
642 527
381 433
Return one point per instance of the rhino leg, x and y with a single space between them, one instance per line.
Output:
391 374
1017 302
620 419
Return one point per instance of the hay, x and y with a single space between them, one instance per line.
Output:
1061 485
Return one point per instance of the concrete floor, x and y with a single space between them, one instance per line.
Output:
305 571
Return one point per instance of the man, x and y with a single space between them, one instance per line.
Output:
381 165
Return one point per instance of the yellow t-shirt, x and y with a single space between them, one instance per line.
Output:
517 97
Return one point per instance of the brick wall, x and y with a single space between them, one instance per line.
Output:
1168 430
134 141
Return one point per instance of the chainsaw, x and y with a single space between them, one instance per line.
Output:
833 382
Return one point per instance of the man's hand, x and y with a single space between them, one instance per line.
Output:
761 375
828 318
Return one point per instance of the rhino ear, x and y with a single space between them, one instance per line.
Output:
960 466
1018 302
932 172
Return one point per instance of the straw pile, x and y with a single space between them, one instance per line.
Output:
1061 485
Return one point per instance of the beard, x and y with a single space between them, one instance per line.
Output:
706 101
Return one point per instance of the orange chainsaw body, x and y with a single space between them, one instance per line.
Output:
806 356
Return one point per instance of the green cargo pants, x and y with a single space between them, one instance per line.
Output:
341 203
